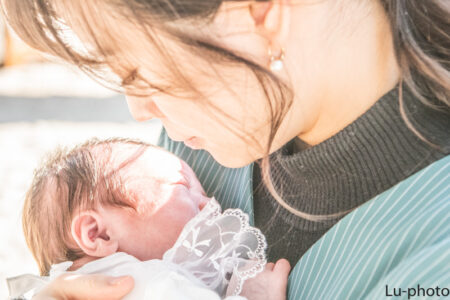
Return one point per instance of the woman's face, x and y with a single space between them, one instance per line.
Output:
232 122
231 134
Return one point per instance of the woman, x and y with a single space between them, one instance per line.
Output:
339 101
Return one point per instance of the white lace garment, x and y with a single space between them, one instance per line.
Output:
213 256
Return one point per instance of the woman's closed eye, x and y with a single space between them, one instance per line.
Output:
135 84
130 78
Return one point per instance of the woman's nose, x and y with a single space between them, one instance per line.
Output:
143 109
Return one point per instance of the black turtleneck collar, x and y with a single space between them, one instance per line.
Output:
366 158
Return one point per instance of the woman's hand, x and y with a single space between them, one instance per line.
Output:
89 287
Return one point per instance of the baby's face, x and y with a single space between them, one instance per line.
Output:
168 195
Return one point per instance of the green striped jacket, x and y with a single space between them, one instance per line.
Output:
396 245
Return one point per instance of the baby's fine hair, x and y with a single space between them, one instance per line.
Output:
67 182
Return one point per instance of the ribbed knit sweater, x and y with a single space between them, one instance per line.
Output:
372 154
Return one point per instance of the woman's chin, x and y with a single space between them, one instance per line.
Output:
233 161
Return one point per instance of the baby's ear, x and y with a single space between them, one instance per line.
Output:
91 235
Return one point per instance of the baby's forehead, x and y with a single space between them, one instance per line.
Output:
138 159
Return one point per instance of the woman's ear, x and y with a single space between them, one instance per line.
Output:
272 20
91 235
259 11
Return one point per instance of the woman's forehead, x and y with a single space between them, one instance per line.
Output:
125 47
94 23
121 45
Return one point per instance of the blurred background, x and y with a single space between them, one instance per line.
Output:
42 105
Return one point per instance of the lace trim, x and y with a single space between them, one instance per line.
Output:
214 247
259 254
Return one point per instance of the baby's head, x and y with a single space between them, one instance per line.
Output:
108 196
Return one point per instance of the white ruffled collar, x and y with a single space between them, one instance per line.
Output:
212 248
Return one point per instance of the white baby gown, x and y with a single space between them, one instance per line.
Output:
213 256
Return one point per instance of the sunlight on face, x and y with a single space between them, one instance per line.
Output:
232 123
208 104
167 195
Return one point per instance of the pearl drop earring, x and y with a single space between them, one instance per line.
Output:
276 61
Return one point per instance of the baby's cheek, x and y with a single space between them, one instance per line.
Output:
192 179
181 207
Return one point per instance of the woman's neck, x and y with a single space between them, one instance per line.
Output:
356 70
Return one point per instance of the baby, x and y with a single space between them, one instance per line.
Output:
123 207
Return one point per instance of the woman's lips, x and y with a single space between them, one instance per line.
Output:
193 142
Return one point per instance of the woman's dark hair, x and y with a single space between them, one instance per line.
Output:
421 33
420 30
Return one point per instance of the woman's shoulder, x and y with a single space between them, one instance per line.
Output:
398 239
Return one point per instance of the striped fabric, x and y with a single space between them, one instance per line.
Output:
398 240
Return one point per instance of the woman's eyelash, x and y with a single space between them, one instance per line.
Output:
130 78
